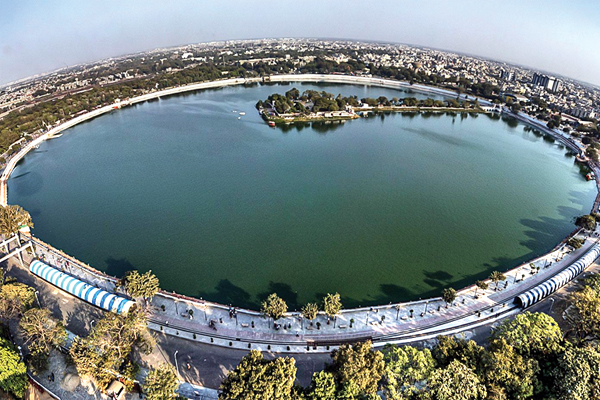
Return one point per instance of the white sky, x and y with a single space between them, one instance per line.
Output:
558 37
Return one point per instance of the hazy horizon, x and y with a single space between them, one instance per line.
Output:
553 36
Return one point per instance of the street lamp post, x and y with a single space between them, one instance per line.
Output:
176 365
37 299
551 304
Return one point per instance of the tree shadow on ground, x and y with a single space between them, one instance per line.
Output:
79 319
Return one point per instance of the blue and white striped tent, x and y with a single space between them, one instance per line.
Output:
550 286
91 294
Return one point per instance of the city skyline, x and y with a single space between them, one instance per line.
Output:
516 34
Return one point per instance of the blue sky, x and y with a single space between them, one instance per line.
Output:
562 37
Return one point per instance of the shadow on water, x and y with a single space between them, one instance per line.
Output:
118 267
284 291
440 138
30 185
20 175
227 293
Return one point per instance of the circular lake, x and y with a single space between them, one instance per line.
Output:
381 209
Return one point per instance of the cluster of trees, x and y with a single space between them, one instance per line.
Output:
314 101
525 358
109 349
41 332
275 307
144 285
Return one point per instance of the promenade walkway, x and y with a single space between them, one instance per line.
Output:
191 318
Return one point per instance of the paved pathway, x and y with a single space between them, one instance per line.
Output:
220 325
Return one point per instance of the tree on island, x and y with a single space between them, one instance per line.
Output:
13 218
496 277
145 285
274 307
310 311
161 383
448 295
332 305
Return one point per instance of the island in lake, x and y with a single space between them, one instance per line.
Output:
313 105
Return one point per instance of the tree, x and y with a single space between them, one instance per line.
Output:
587 222
584 314
332 304
13 373
510 373
110 344
15 298
496 277
456 382
161 383
322 386
310 311
531 334
576 375
448 295
145 285
480 285
260 379
42 333
274 307
12 218
358 364
450 348
405 367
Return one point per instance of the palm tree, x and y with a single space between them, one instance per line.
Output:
480 285
497 277
13 218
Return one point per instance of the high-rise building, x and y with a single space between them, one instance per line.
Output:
507 75
549 83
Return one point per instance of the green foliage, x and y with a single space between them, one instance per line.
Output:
310 311
584 314
450 348
13 374
12 217
511 374
110 343
260 379
274 307
456 382
587 222
145 285
577 375
332 304
358 364
42 333
449 295
15 298
496 277
161 383
575 243
531 334
322 386
406 370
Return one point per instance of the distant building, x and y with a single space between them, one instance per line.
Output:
507 75
549 83
513 98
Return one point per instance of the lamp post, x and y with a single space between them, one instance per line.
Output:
37 299
176 366
551 304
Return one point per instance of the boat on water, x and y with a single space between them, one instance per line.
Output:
242 113
239 117
590 177
271 123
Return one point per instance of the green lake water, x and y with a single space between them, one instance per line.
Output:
381 209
